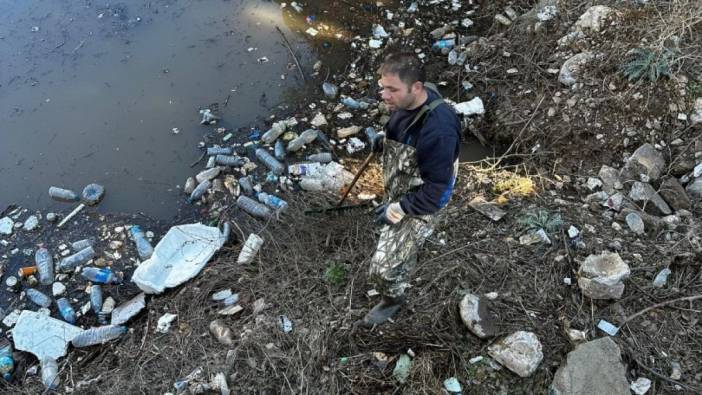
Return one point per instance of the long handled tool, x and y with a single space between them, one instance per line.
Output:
360 171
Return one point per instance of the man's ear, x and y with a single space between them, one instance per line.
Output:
417 87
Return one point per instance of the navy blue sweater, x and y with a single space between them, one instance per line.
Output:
437 141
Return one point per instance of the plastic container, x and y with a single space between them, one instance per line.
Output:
253 207
330 90
38 297
212 151
272 201
312 184
272 163
308 169
322 157
99 335
452 57
250 249
93 193
246 185
26 271
274 132
446 43
279 150
305 137
199 191
100 275
82 244
208 174
63 195
7 363
72 261
45 266
229 160
96 298
354 104
66 310
144 248
49 373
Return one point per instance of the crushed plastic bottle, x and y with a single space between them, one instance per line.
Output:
98 335
222 332
246 185
100 275
45 266
83 244
322 157
144 248
305 137
253 207
49 373
354 104
272 201
63 195
229 160
279 150
93 193
302 169
330 90
212 151
199 191
453 57
38 297
66 310
272 163
96 298
7 363
250 249
70 262
661 278
208 117
274 132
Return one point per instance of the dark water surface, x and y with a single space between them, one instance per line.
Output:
91 93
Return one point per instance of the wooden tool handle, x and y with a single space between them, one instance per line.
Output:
356 177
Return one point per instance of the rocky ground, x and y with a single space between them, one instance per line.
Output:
569 261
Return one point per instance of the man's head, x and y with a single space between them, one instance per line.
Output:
402 81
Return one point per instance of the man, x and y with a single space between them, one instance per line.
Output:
420 162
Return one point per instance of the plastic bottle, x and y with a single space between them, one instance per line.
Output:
96 298
324 140
144 248
253 207
272 163
210 162
208 174
199 191
63 195
353 104
70 262
272 201
45 266
246 185
446 43
212 151
7 363
302 169
39 298
279 150
98 335
330 90
229 160
274 132
100 275
250 249
322 157
66 310
305 137
452 57
312 184
49 373
82 244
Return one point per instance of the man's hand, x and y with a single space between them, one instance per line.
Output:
377 142
389 214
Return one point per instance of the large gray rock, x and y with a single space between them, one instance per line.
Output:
645 160
694 189
592 368
519 352
673 193
601 276
610 179
572 68
649 199
476 317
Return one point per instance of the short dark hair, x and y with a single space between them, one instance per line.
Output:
406 65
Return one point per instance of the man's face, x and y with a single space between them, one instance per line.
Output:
395 93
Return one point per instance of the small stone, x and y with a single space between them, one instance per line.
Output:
475 315
51 217
572 68
674 194
31 223
640 386
573 232
519 352
577 336
614 202
694 189
600 276
58 288
593 183
635 223
610 179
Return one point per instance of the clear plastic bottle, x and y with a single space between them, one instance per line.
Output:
7 363
45 266
444 44
49 373
229 160
96 298
212 151
246 185
279 150
253 207
353 104
272 201
312 184
199 190
271 162
302 169
63 195
66 310
98 335
305 137
38 297
83 244
274 132
330 90
144 248
70 262
100 275
208 174
452 57
322 157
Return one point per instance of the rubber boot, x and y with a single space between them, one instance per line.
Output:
383 311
